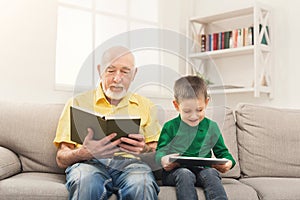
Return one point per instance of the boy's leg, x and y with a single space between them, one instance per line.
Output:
210 180
135 181
88 181
184 180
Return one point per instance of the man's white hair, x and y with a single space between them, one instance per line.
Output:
111 54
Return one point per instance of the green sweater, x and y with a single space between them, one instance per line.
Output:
178 137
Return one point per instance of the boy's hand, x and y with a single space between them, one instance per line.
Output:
223 167
167 165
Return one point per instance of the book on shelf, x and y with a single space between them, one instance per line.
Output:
82 119
227 36
197 161
203 42
235 38
264 39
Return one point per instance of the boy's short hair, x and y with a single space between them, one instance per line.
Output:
190 87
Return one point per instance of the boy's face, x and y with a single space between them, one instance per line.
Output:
192 111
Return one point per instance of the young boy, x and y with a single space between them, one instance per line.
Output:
192 134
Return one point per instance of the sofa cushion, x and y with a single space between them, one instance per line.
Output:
29 129
9 163
235 190
32 185
275 188
268 141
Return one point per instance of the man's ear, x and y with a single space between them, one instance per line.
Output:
99 68
176 105
133 74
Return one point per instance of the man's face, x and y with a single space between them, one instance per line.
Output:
117 77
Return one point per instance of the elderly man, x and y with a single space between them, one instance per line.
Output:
98 168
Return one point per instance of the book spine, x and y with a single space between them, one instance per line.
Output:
219 41
227 39
215 41
245 37
239 38
234 38
211 41
203 42
250 35
264 40
223 40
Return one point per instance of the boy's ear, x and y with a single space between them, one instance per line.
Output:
176 105
206 101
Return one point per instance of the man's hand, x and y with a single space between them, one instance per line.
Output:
166 164
134 144
223 167
103 148
68 154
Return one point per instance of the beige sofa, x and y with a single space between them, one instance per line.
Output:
264 141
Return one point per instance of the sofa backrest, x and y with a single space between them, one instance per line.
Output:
28 130
225 119
268 141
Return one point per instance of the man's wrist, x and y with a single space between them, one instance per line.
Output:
147 149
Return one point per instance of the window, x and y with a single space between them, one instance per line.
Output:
83 25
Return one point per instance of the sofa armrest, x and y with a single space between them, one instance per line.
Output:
9 163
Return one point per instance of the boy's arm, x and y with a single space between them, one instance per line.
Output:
162 145
220 150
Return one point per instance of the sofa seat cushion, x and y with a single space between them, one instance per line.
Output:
269 188
268 141
30 185
235 191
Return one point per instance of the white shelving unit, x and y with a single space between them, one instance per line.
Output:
249 68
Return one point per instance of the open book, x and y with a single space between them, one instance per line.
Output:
81 119
197 161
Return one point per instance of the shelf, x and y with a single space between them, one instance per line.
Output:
227 15
223 53
228 52
258 60
238 90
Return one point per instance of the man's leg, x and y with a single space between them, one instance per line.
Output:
135 181
184 180
210 180
88 181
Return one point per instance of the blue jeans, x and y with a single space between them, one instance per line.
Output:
186 179
99 179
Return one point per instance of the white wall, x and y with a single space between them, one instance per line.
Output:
27 51
28 36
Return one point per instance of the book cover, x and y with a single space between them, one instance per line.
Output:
82 119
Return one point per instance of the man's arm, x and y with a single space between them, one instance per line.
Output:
68 154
